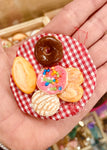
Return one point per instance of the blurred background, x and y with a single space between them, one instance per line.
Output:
16 11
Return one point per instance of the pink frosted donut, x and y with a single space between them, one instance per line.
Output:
52 80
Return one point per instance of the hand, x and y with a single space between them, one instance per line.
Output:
22 132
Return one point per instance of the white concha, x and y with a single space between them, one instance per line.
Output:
45 104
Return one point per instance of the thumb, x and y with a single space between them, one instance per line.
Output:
11 53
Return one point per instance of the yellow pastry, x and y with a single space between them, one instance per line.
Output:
19 37
24 75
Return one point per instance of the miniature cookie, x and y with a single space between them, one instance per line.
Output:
73 92
6 43
52 80
19 37
45 104
48 51
75 75
23 75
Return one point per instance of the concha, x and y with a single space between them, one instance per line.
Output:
45 104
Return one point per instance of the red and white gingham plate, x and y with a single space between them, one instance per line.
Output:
76 55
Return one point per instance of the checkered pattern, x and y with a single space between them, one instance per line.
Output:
76 55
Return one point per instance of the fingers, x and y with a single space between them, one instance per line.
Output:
98 51
73 15
96 26
62 127
66 125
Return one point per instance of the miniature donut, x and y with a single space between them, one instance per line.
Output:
24 75
45 104
48 51
52 80
73 92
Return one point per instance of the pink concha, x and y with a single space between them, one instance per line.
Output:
52 80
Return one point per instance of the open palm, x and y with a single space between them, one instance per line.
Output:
22 132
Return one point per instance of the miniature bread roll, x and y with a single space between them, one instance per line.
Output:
24 75
45 104
19 37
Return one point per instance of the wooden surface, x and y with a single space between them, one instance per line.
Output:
28 26
16 11
22 27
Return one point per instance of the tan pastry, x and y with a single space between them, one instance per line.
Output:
75 75
45 104
73 92
24 75
6 43
19 37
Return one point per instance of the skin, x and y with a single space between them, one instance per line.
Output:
22 132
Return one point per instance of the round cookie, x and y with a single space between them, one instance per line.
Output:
24 75
52 80
45 104
73 92
48 51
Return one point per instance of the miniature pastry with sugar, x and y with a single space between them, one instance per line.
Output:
18 37
6 43
52 80
45 104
